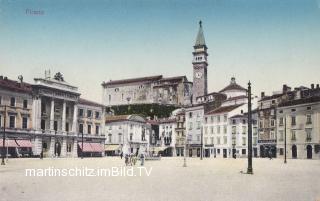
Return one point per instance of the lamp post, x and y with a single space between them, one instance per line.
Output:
249 170
82 145
201 148
4 135
285 139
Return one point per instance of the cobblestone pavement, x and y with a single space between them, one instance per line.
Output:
206 180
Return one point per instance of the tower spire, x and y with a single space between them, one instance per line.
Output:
200 37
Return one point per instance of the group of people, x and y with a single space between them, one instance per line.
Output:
131 159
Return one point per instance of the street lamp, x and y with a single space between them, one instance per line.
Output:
285 139
249 170
201 148
4 135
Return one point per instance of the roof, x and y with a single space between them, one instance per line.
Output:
270 97
239 116
90 103
118 118
233 86
15 86
171 120
224 109
200 37
133 80
300 101
176 78
236 98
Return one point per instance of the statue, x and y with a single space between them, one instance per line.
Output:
58 76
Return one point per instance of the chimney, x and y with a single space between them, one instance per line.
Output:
312 86
262 94
284 88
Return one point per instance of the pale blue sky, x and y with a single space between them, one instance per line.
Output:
270 42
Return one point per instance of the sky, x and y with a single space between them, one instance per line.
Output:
269 42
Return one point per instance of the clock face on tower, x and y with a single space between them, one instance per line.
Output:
198 75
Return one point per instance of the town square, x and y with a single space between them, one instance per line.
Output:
160 100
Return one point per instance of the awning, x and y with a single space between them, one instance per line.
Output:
24 143
158 149
97 147
9 143
111 147
86 147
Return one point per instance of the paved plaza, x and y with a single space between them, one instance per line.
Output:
206 180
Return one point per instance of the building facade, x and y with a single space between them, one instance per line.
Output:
16 116
147 90
128 134
298 121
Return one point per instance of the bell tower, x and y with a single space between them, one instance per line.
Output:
200 64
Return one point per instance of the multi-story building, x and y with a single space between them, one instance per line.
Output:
180 132
267 124
298 123
239 132
148 90
56 120
16 116
167 136
127 134
91 123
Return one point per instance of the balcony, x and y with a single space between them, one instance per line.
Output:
308 139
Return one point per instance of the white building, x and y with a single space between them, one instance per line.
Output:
299 120
127 134
167 132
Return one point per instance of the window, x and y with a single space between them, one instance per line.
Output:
12 122
234 121
67 111
212 119
120 138
254 141
225 129
281 151
97 130
109 98
234 129
81 128
218 118
281 135
308 135
198 124
243 121
309 120
211 129
244 130
190 114
67 126
309 108
89 129
218 129
273 102
12 101
244 141
255 131
293 120
25 104
293 110
43 124
190 126
225 118
97 115
281 121
55 125
243 151
110 138
272 122
24 122
272 135
205 130
89 113
80 112
131 135
206 119
260 124
293 135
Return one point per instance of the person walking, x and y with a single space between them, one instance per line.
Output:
121 155
270 154
142 159
126 159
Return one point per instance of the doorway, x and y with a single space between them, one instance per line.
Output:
294 151
309 152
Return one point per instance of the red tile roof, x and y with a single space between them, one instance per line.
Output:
90 103
224 109
133 80
110 119
233 86
12 85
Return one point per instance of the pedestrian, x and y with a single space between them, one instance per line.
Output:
126 159
121 155
142 159
270 155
